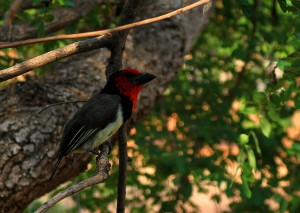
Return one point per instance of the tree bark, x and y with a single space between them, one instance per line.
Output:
29 143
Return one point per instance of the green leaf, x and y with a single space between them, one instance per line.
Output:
274 115
266 127
283 5
241 156
297 101
296 3
239 53
243 139
256 142
250 110
247 170
180 163
61 2
284 64
251 157
275 99
259 97
296 147
245 187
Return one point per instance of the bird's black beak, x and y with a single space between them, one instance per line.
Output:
143 78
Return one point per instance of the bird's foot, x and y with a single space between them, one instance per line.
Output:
94 152
103 147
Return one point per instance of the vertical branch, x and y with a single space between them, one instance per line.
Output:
116 47
10 15
118 39
121 200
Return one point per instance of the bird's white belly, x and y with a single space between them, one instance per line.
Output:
107 132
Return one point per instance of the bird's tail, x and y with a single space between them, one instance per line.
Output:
55 167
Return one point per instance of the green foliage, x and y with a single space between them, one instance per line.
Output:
227 95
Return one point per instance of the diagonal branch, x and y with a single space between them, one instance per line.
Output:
103 168
103 32
54 55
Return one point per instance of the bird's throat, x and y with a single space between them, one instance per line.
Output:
132 94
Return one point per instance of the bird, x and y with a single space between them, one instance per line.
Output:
103 114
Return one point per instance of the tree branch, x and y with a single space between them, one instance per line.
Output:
86 45
54 55
103 32
103 166
121 200
115 63
10 15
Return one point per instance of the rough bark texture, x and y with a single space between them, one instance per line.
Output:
29 143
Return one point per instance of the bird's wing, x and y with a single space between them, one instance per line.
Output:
91 118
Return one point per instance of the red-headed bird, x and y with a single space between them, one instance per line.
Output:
103 114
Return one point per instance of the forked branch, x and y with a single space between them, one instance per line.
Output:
103 168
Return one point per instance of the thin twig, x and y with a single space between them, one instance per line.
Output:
104 166
122 138
10 15
103 32
46 58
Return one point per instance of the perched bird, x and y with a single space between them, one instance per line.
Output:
103 114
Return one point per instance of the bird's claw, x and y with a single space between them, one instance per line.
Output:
106 143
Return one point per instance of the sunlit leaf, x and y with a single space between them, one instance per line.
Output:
251 157
256 142
259 97
243 139
266 127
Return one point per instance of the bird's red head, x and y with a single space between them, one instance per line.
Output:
129 83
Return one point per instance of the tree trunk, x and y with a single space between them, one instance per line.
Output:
29 142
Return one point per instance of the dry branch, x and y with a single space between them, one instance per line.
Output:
104 167
10 15
103 32
54 55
